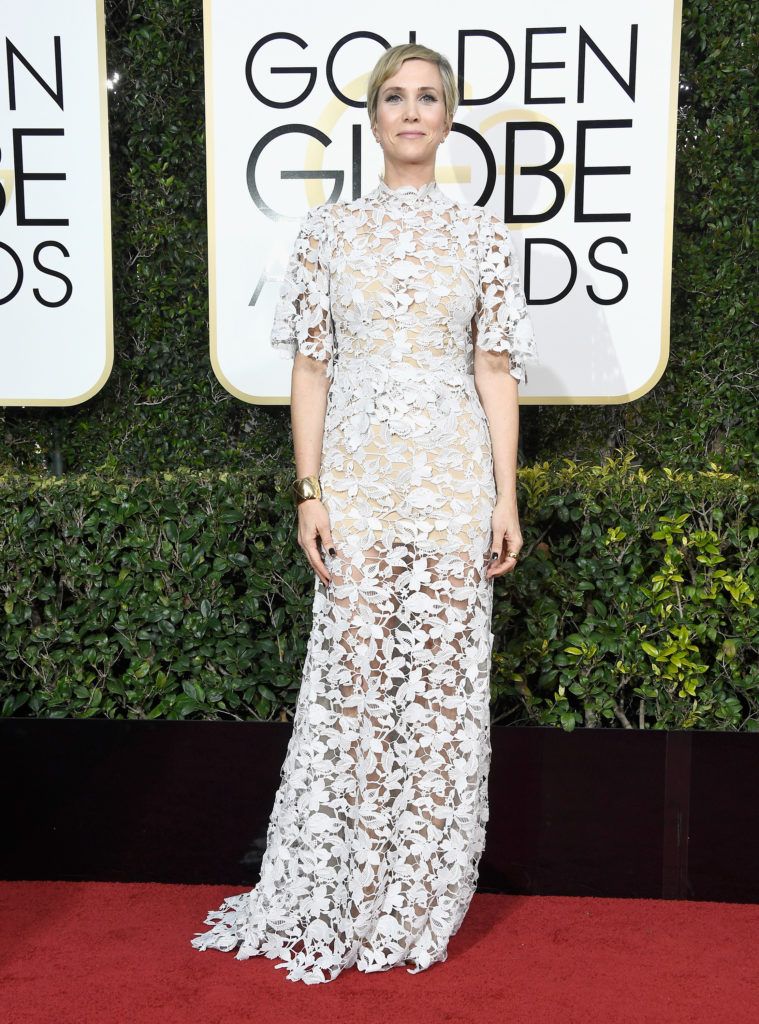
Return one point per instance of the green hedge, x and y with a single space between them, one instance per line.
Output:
185 595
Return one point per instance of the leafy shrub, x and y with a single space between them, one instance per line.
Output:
186 595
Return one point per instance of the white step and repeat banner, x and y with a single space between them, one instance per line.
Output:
566 131
56 326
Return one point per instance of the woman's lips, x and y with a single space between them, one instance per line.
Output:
411 134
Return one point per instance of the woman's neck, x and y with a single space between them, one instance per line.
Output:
417 178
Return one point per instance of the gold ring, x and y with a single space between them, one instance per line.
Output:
513 554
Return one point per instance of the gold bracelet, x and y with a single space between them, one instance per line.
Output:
306 487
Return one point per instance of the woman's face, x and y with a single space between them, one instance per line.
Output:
411 121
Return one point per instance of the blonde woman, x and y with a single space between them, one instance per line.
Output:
406 318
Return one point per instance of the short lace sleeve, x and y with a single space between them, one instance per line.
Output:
302 317
502 320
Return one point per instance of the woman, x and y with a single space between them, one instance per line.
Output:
406 319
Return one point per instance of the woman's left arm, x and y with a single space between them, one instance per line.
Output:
499 395
503 339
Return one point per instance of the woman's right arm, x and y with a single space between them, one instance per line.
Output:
308 407
302 328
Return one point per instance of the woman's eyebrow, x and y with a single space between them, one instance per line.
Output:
422 88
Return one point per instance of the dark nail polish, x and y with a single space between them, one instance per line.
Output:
332 551
494 555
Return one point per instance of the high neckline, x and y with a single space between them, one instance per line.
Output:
408 192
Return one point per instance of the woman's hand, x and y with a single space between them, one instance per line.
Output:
507 536
313 525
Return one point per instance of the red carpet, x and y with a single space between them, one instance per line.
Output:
97 953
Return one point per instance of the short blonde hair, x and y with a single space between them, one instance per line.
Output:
390 62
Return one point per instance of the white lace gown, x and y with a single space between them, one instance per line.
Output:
378 824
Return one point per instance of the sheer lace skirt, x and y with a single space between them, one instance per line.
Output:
379 820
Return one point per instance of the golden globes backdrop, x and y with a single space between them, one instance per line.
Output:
566 130
56 331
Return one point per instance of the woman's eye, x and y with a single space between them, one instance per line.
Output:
426 96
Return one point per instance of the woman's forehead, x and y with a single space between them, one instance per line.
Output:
422 74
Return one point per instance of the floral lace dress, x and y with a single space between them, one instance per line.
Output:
379 821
